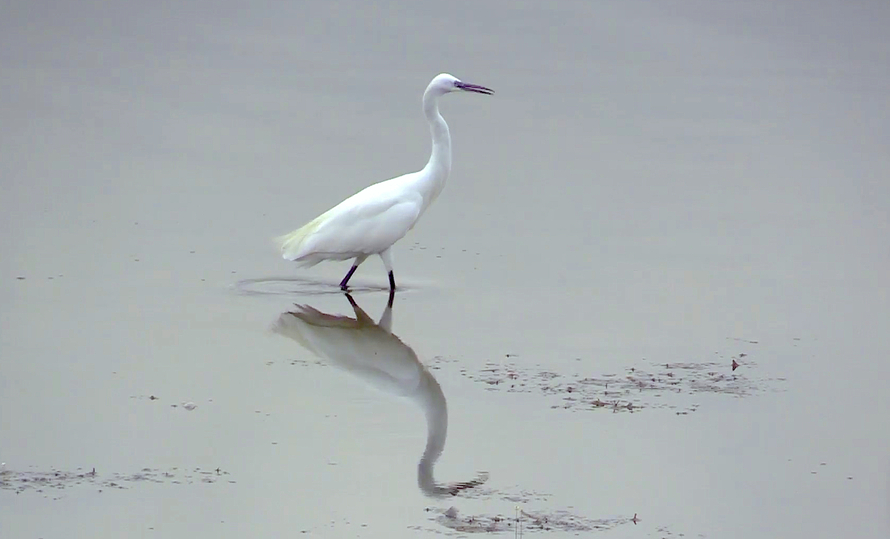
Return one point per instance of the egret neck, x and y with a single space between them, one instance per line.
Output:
431 180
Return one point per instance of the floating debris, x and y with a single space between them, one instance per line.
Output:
667 385
57 480
526 521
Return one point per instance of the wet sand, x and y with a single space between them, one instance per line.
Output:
653 195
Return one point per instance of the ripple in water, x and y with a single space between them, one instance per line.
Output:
304 286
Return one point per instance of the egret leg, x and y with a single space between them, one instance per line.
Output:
355 265
386 256
348 275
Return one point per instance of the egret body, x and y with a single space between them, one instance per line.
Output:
372 220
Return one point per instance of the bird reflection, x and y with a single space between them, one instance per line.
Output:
370 351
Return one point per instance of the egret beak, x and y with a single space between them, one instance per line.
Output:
467 87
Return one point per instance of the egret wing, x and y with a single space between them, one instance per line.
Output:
366 223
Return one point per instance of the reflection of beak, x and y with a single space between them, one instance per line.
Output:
467 87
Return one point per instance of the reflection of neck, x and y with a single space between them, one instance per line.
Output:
432 400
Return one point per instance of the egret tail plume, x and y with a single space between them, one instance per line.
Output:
292 244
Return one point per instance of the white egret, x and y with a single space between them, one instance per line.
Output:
372 220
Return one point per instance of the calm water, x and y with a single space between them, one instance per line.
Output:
654 192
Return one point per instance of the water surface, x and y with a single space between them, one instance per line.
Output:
654 192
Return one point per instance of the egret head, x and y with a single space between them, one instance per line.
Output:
446 83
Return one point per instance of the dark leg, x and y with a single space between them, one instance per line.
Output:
392 296
351 301
392 281
346 279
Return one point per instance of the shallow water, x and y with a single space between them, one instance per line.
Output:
653 193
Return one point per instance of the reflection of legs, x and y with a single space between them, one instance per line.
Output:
386 256
389 301
385 322
355 265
